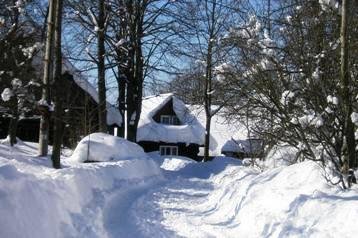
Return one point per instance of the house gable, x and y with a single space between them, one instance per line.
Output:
167 111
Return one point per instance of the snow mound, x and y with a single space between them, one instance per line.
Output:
102 147
6 141
175 163
136 198
280 155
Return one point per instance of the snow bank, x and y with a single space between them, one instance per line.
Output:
136 198
38 201
280 155
103 147
175 163
226 200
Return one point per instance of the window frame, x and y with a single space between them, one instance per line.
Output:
172 120
170 147
162 117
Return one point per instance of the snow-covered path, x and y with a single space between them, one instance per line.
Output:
225 199
180 205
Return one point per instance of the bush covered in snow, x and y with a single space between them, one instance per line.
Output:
17 74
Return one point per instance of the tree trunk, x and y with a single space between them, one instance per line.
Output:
130 108
208 83
121 82
138 76
102 111
45 115
13 122
349 156
207 138
58 119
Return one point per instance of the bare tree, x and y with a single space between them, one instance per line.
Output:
47 78
349 150
89 21
138 36
101 51
290 76
58 85
201 26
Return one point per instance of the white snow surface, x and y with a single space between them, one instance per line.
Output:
230 136
76 201
102 147
149 130
183 198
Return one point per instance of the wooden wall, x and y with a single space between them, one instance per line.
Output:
190 151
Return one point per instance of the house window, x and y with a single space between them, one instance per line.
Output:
165 119
175 120
168 150
169 120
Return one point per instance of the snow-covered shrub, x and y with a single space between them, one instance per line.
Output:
290 80
17 76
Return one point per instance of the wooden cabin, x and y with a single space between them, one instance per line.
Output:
167 126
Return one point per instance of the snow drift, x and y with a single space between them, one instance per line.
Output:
38 201
223 199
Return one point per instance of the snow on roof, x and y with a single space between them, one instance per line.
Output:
149 130
222 131
113 115
224 135
245 146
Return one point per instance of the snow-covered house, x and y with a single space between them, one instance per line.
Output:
81 103
167 125
81 98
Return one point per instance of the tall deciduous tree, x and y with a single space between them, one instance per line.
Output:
289 72
139 36
349 150
58 85
101 51
201 26
47 78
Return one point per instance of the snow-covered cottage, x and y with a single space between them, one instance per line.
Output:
81 104
167 125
